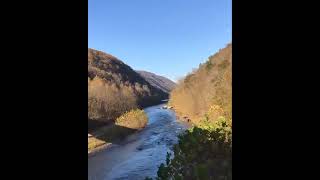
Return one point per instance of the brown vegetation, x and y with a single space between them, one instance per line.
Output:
106 101
134 119
205 150
94 143
115 88
208 88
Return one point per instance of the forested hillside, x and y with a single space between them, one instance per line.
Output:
160 82
208 90
205 150
114 88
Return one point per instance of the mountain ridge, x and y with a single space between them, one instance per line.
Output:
161 82
115 88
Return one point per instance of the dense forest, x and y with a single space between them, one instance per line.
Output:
115 88
206 91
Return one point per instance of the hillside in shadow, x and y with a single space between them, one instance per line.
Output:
160 82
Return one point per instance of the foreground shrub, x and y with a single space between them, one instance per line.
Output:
134 119
203 152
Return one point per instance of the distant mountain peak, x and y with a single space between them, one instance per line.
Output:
157 81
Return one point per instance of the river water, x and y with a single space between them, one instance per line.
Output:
140 154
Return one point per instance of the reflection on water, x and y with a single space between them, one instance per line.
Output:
140 154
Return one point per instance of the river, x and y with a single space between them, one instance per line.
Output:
140 154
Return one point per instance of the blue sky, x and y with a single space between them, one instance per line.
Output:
166 37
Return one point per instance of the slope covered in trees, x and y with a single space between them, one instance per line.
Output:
208 90
160 82
115 88
205 150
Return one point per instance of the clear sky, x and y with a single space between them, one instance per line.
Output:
166 37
